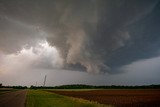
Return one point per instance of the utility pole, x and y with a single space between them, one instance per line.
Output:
44 80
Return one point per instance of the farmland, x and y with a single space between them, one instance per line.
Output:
81 98
121 97
38 98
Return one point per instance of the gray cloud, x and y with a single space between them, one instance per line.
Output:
15 34
145 71
86 33
89 37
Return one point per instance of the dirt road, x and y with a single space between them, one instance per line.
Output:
13 99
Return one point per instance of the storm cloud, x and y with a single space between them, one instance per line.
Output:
90 35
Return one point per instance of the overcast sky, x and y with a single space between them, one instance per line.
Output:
96 42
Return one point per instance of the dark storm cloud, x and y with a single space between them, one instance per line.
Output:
145 41
87 33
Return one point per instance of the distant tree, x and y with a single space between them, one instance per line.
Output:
19 87
0 85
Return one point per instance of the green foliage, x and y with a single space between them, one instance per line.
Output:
37 98
19 87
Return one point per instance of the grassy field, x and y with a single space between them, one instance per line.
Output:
38 98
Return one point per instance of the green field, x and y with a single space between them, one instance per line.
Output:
39 98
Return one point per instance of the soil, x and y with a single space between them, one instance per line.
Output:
13 99
119 98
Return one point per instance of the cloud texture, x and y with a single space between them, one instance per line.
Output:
86 33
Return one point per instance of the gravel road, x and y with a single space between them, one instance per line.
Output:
13 99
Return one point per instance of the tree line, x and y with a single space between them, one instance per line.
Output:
81 86
14 87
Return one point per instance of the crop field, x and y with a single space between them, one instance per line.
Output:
38 98
120 98
81 98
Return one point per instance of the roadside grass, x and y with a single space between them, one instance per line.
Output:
39 98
